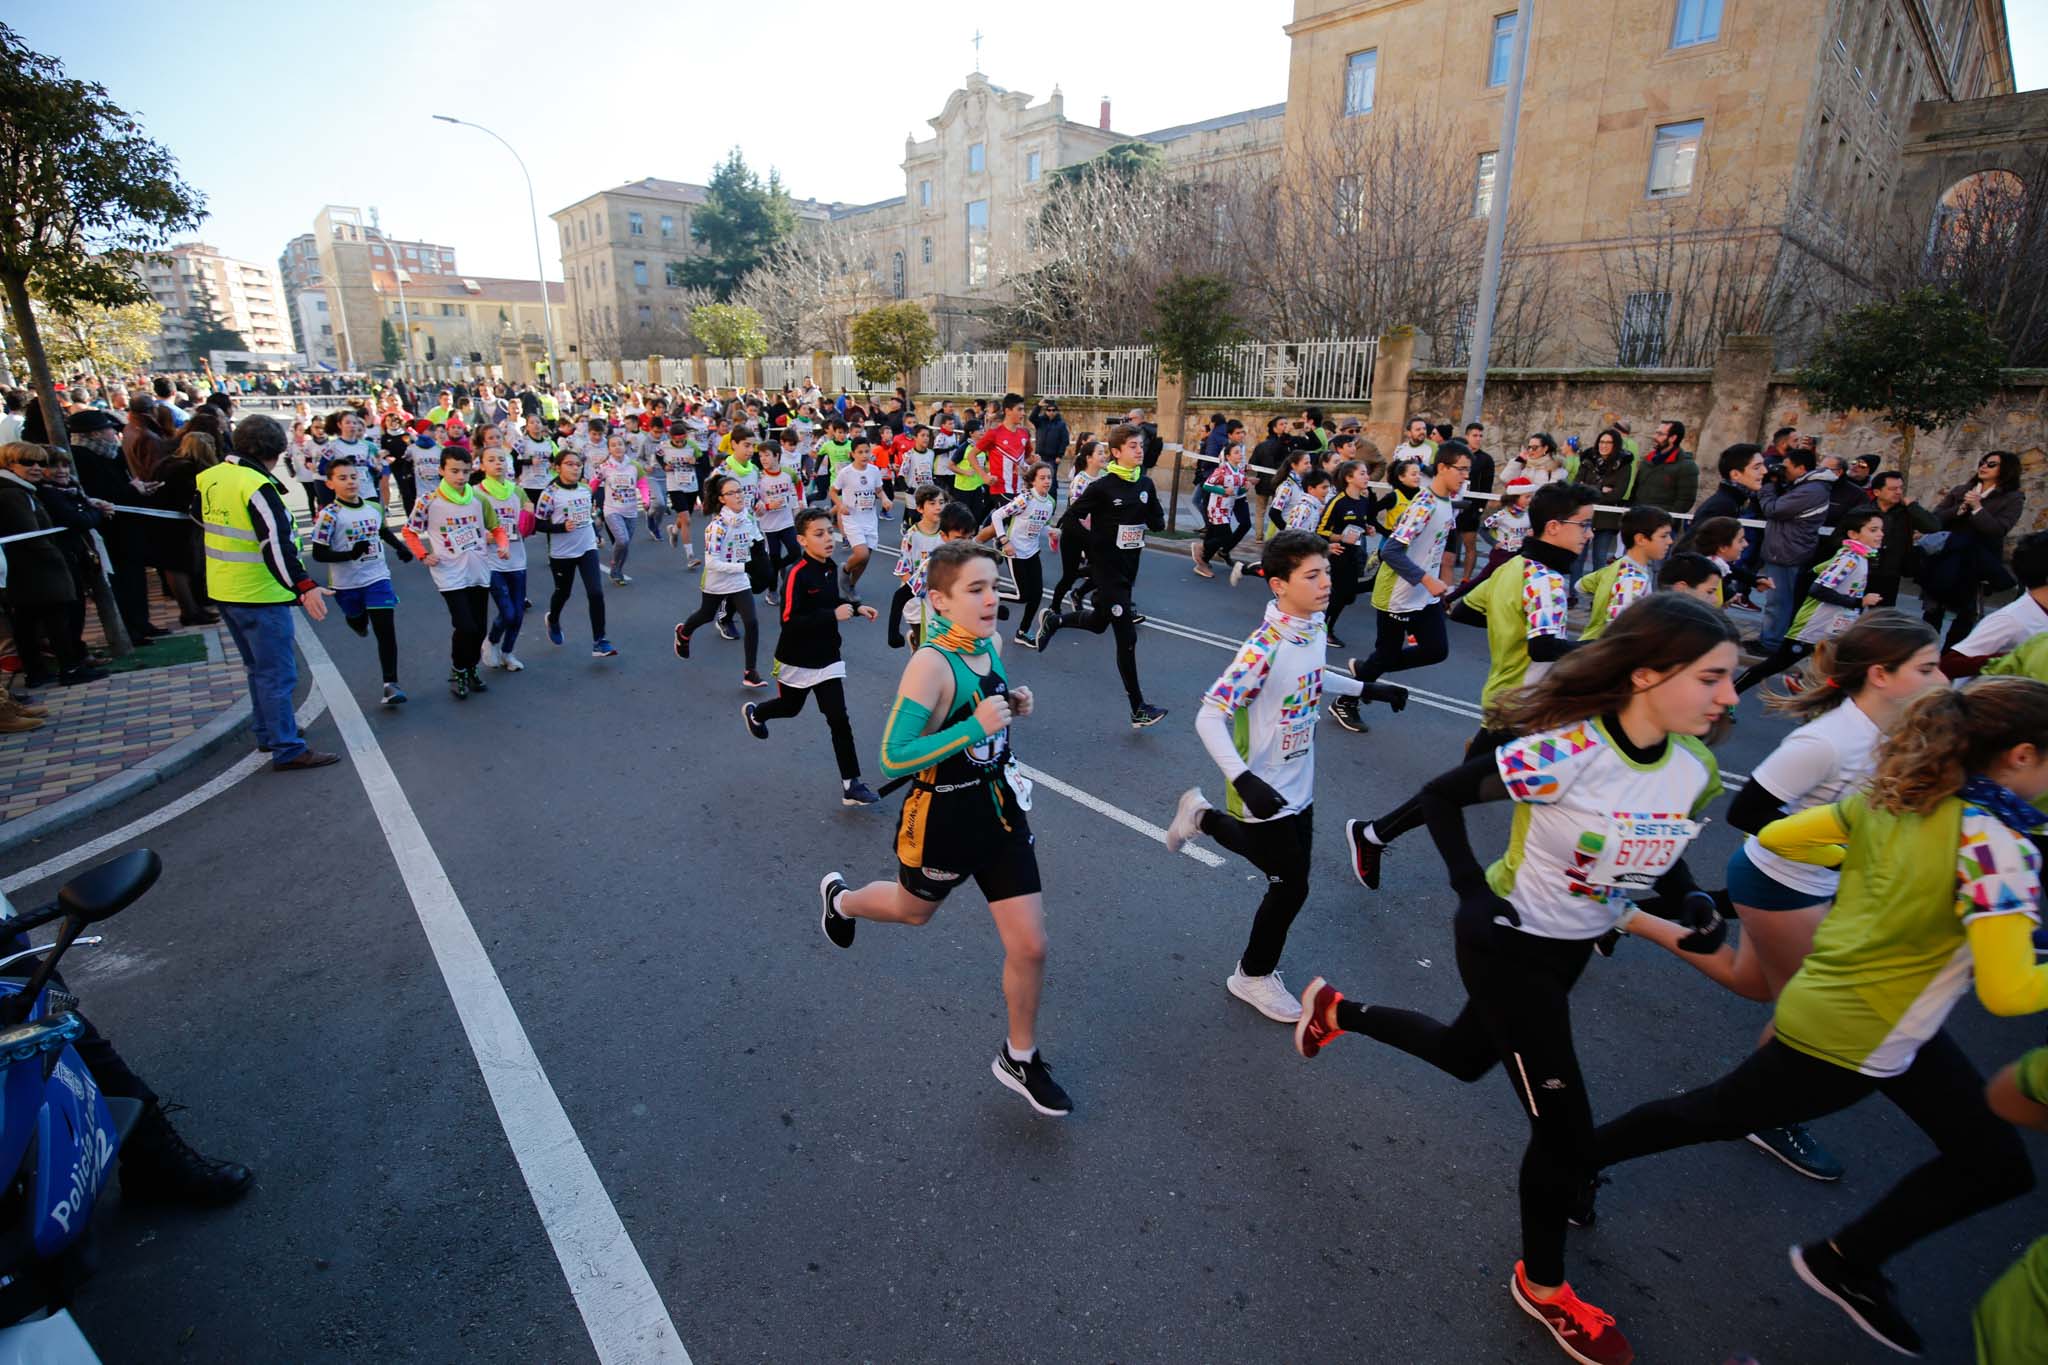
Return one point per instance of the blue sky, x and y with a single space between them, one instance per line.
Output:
274 110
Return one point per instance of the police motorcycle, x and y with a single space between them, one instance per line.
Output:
58 1133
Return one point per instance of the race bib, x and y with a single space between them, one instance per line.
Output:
1634 850
1020 785
863 502
1352 534
1130 537
578 518
464 536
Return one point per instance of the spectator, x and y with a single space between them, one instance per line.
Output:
1667 476
1053 436
172 417
1416 444
240 505
1978 516
41 592
16 414
80 517
1904 522
1154 442
1628 439
1472 510
1794 506
1863 468
1742 474
1538 462
1608 469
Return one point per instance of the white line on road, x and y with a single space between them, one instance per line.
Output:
621 1308
1116 813
309 711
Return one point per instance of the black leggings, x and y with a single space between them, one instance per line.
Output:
1978 1162
1221 540
1409 815
1391 652
1111 611
1786 655
1517 1014
383 624
1344 583
1280 849
740 604
469 612
1073 558
1030 588
565 572
831 695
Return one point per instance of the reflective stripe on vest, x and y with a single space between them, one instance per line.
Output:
235 568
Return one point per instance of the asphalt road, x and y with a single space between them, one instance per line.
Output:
805 1145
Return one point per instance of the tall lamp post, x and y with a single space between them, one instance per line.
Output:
539 266
404 317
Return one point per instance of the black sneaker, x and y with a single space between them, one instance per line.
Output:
1865 1295
755 726
1365 854
1033 1080
838 928
1335 643
458 684
476 681
728 629
857 793
1345 712
1048 624
682 644
1585 1210
1393 695
1147 715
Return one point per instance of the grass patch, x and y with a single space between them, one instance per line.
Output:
172 649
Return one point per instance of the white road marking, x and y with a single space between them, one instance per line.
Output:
1116 813
309 711
621 1308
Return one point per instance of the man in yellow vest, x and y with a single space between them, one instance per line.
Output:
254 576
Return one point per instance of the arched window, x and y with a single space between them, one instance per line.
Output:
1979 213
896 275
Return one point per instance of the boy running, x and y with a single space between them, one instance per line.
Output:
856 493
349 537
1646 531
448 528
508 564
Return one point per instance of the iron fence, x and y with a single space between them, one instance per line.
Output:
1112 372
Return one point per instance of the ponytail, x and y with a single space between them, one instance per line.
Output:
1949 733
1885 638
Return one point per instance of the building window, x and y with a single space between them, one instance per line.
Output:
586 277
376 249
599 229
1502 50
1361 70
896 273
668 225
646 315
1673 157
977 157
924 194
412 253
636 225
582 229
1034 165
977 243
1698 21
565 236
1482 190
672 274
1642 328
1348 205
926 251
675 317
640 273
604 273
448 259
1963 34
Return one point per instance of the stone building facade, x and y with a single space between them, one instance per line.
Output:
333 279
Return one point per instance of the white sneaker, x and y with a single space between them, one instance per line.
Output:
510 663
1236 572
1266 994
492 658
1187 819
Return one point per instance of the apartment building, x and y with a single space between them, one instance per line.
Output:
194 282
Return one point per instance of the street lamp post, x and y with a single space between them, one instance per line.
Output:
1497 218
533 212
404 317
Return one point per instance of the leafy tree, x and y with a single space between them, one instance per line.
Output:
1923 360
897 338
88 198
729 329
387 339
1193 323
106 341
740 222
1124 162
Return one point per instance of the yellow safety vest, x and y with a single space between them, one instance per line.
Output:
235 571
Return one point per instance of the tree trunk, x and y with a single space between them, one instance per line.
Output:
16 289
118 643
1906 434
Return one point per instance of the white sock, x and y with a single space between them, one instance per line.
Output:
1011 1053
1372 835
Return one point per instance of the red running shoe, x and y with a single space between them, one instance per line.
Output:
1311 1034
1587 1334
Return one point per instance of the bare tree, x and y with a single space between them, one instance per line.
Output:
813 285
1988 242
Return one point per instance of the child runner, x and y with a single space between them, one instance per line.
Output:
533 456
729 537
1722 540
653 475
856 493
948 735
1941 880
1019 528
779 500
1117 511
1225 512
920 538
1692 574
833 455
508 562
1837 595
349 537
807 661
1258 722
2011 1320
1646 538
1609 780
564 511
679 456
1345 527
447 530
1002 449
624 494
306 449
1090 456
1507 527
916 468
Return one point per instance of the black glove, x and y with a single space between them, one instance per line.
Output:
1477 911
1703 917
405 556
1260 799
362 550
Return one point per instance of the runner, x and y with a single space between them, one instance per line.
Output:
349 537
807 661
1608 782
507 563
533 455
1258 722
948 734
1345 527
1646 539
653 474
1834 598
834 452
728 541
1090 457
1003 449
680 455
1019 529
564 510
920 538
625 494
1117 511
856 493
2019 620
2011 1320
1224 509
779 500
447 531
1858 684
1941 879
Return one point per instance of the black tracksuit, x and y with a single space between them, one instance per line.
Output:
1110 505
810 639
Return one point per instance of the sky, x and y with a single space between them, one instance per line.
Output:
642 88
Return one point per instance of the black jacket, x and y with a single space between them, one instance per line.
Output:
810 615
1108 503
1728 500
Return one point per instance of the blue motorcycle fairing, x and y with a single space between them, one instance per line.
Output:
75 1147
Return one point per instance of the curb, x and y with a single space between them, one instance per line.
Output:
148 773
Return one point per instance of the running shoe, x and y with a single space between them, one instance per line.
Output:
1797 1148
727 629
554 629
751 679
620 580
394 695
491 656
1587 1334
1139 618
694 564
1585 1210
1033 1080
1201 566
1331 637
510 663
1864 1295
1266 994
1318 1003
654 534
1147 715
476 681
838 928
1365 854
1236 572
682 643
1024 639
756 727
858 793
1345 712
458 684
601 648
1047 625
1187 819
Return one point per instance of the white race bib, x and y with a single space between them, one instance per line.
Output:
863 502
1130 537
1635 850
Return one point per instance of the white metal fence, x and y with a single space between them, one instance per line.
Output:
844 375
1116 372
635 372
785 371
978 373
1304 371
721 373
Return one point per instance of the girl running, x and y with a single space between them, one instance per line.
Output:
1609 779
1224 509
728 545
507 562
624 494
1834 599
1089 458
1019 528
564 511
1346 527
920 538
679 457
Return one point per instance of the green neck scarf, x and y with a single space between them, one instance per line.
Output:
1128 473
943 634
454 494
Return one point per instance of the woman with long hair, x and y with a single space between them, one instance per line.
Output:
1978 516
1940 883
1538 462
1608 777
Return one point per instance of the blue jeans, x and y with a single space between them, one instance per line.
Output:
508 595
1780 605
263 634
